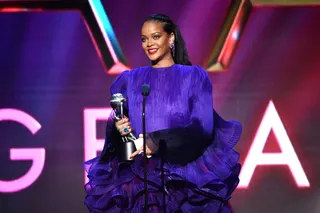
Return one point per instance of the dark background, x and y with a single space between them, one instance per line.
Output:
50 69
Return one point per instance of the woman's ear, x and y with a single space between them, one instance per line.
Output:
171 38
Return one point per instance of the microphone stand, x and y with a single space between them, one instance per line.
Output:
145 93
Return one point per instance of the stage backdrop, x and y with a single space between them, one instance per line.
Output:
55 98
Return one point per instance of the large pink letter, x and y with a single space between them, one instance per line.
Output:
91 144
287 156
36 155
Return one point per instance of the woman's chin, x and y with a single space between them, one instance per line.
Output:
153 58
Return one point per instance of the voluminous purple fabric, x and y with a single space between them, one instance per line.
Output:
199 169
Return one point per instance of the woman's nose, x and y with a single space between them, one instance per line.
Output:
149 43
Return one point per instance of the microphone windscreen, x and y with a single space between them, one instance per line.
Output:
145 89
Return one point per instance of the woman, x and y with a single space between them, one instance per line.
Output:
198 169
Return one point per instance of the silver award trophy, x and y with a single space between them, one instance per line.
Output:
127 146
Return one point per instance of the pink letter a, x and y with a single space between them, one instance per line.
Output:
287 156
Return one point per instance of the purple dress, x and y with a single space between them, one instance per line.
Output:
198 170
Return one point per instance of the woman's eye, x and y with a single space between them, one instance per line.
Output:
156 37
143 39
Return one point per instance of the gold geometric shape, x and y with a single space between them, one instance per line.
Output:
95 19
285 2
229 36
232 28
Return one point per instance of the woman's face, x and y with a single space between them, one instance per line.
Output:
156 42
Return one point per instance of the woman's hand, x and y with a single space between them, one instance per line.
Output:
151 148
123 126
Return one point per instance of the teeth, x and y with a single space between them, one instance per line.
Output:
152 51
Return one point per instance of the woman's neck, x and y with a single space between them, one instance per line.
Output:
163 63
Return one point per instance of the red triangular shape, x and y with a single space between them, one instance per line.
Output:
117 69
272 144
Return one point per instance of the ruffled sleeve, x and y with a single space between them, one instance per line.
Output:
184 144
113 136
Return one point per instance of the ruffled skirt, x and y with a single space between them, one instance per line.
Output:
204 185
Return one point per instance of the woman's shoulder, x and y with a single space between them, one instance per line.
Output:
128 73
139 69
193 70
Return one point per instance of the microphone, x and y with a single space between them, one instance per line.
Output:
145 90
127 147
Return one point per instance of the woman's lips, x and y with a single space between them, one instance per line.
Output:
152 51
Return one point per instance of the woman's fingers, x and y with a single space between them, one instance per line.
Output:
149 152
123 126
135 154
125 130
122 121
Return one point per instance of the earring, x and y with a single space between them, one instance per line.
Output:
172 48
